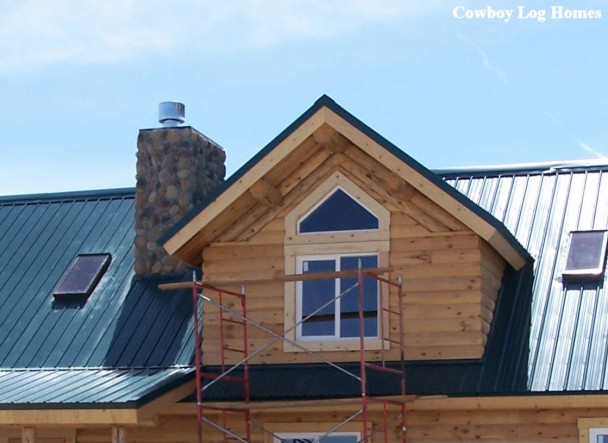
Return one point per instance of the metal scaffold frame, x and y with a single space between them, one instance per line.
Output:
215 296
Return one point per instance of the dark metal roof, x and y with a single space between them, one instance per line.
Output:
568 338
86 387
127 324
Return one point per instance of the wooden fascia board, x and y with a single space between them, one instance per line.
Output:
150 410
465 215
242 185
73 417
530 401
414 403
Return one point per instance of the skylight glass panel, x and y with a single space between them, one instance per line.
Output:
338 212
83 275
586 256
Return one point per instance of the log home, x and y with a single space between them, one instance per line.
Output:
342 292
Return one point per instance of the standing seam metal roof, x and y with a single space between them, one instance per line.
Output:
126 342
568 340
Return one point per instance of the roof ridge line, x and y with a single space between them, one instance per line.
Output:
70 195
547 167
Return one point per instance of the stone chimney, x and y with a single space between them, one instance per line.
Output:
177 167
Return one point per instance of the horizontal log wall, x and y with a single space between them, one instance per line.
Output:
451 276
520 420
448 300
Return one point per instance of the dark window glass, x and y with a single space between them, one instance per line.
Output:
316 293
586 256
83 275
323 292
349 304
338 212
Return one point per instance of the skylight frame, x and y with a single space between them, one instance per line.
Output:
67 288
574 271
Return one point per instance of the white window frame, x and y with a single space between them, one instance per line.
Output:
337 309
592 273
364 242
594 433
590 428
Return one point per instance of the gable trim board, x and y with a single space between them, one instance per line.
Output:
326 112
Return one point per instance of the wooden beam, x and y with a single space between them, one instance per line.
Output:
399 187
277 279
336 404
150 411
435 211
119 435
28 435
265 193
327 137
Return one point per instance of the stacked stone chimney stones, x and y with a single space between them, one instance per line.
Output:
176 169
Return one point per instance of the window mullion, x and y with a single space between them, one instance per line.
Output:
337 289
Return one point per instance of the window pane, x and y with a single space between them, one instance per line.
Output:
602 439
316 293
83 275
586 254
349 303
339 212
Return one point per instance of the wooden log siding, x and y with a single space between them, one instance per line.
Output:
451 276
451 282
499 419
449 292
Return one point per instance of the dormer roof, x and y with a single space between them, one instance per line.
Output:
327 123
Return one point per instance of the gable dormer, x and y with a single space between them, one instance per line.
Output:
273 219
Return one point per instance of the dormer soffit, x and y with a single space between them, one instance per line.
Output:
263 185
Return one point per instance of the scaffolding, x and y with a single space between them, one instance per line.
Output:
393 409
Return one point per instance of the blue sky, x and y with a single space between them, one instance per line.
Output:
78 79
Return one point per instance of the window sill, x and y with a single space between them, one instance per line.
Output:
371 344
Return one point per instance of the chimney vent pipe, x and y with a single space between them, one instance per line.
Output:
171 114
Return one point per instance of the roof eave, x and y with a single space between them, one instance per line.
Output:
135 412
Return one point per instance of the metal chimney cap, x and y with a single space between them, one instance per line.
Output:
171 114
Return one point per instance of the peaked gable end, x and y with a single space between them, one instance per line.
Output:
268 179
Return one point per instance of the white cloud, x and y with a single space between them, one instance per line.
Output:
590 150
490 67
34 32
485 60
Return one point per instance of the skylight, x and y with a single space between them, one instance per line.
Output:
586 256
83 275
